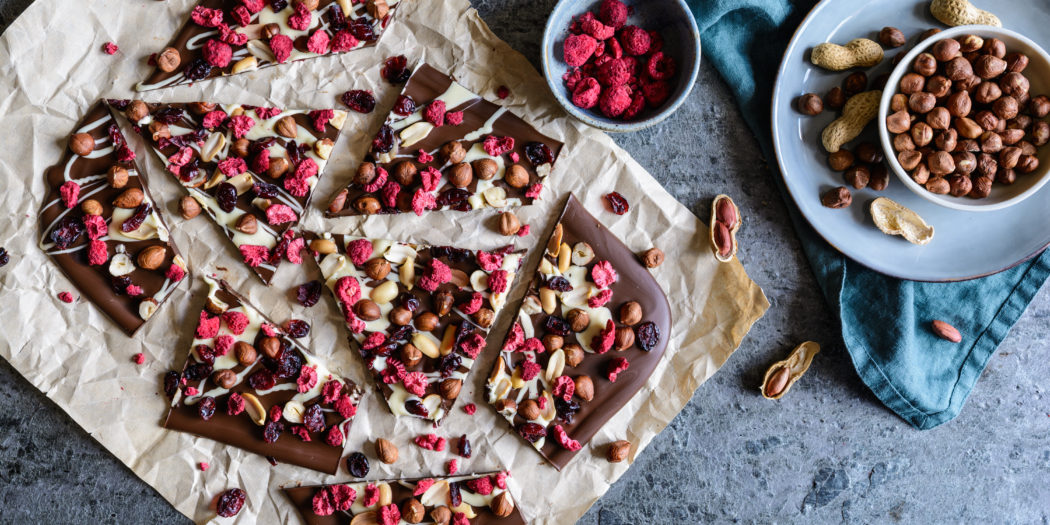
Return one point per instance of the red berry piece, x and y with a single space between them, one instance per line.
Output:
359 100
618 203
230 502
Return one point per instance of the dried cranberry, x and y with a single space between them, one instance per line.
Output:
294 152
189 171
449 363
230 503
453 197
261 144
278 5
559 284
271 460
336 18
119 103
648 335
272 430
171 382
566 409
197 371
67 232
120 284
262 379
199 69
453 254
454 496
132 223
309 293
557 325
289 365
357 465
404 106
361 30
532 432
618 203
226 194
401 334
313 418
115 136
206 407
4 258
281 248
265 190
386 348
409 301
168 115
206 354
384 140
359 100
297 328
463 447
539 154
416 408
395 69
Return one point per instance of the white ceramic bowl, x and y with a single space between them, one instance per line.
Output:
1038 73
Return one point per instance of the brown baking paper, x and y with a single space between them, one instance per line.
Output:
54 69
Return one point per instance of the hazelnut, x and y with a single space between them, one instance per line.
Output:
225 378
624 338
82 144
485 169
987 166
903 142
630 313
810 104
991 142
483 317
958 69
441 515
1006 108
909 159
921 102
449 388
652 257
152 257
994 47
618 451
1006 176
136 111
912 83
573 354
959 104
840 160
509 223
377 9
410 355
946 140
517 176
988 66
939 86
377 269
858 176
386 451
835 98
271 347
427 321
970 145
938 185
502 505
270 30
443 302
1039 106
891 37
412 511
189 207
129 198
529 410
921 134
245 353
940 163
461 175
1016 62
247 224
898 102
925 64
366 173
201 108
965 162
1028 163
899 122
453 152
959 185
987 92
578 320
338 202
279 166
986 120
928 33
91 207
368 205
967 128
552 342
159 130
1040 133
400 316
982 187
868 152
966 84
1014 84
1009 157
367 310
506 406
405 172
920 174
1027 148
855 83
946 49
584 387
880 177
168 60
241 147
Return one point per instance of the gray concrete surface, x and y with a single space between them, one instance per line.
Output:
828 452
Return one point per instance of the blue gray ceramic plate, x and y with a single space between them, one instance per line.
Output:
966 244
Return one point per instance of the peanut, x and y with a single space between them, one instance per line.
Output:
961 13
858 112
859 52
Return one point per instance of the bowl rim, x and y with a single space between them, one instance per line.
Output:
627 126
956 203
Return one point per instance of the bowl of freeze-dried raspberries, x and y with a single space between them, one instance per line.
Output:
621 65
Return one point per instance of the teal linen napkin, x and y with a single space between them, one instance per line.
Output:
885 321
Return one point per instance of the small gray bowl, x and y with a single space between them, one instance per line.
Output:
681 37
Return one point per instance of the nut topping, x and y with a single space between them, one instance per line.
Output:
618 451
509 223
449 388
412 511
502 505
286 127
225 378
584 387
152 257
271 347
652 257
130 198
247 224
82 144
91 207
631 313
386 451
578 319
245 353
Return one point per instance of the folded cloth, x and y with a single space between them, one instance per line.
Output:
885 321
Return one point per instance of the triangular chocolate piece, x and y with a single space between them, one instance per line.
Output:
101 227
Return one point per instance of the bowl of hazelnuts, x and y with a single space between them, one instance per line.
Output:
963 118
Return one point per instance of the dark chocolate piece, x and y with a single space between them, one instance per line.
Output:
501 160
334 503
535 369
249 45
239 161
117 282
289 406
418 315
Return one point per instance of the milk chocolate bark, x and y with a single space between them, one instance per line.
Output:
248 385
443 147
228 37
101 227
479 499
418 315
251 170
590 331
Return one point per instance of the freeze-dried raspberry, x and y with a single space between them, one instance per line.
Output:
110 48
489 261
378 182
232 37
501 479
181 157
232 166
139 358
564 387
389 515
133 290
613 13
240 125
416 383
343 496
348 290
473 345
435 113
95 226
603 340
534 191
424 158
422 201
533 344
343 41
268 329
213 119
331 391
637 104
175 273
97 252
422 486
597 29
499 281
530 369
280 214
471 307
470 408
656 92
352 322
454 118
300 20
217 52
240 15
599 299
615 72
302 433
235 321
430 177
321 503
267 113
390 192
514 157
70 193
207 327
453 466
261 161
192 391
587 93
430 442
524 230
223 344
482 485
603 274
373 340
371 495
234 404
502 92
564 440
635 40
515 338
275 413
578 49
125 154
615 100
460 518
359 251
307 378
345 406
318 42
660 66
319 119
298 187
294 253
394 372
496 146
435 274
617 365
572 77
254 255
282 46
203 16
334 436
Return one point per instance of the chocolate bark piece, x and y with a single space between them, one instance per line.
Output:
237 161
420 325
530 374
284 393
215 26
509 171
336 508
100 252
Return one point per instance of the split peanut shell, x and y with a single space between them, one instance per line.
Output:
783 374
725 222
894 219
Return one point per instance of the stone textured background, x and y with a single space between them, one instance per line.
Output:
828 452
